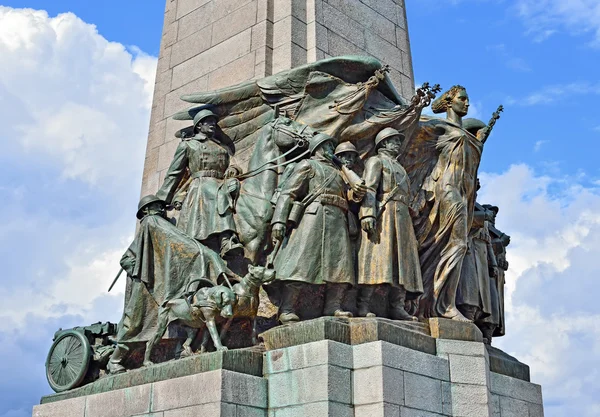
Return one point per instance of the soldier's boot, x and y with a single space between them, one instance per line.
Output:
365 293
230 245
334 296
488 331
289 294
115 362
396 298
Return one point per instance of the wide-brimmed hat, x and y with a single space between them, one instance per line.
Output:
318 139
203 114
145 202
345 147
388 132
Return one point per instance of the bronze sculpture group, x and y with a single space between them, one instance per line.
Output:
321 176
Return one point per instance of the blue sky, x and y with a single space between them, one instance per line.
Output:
75 95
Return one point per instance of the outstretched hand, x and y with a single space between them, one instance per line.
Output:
368 224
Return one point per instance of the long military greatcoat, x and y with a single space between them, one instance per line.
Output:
161 262
389 254
318 250
474 285
207 208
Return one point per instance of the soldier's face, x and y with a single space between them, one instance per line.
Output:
326 148
208 126
348 158
393 144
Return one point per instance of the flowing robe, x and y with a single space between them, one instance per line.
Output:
207 208
318 250
443 227
389 255
161 263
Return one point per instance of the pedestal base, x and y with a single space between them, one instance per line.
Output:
323 367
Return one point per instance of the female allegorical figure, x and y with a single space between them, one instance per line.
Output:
447 202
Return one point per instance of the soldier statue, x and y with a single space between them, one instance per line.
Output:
207 199
161 263
313 201
388 253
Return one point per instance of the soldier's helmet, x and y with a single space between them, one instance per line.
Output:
145 202
345 147
388 132
203 114
318 139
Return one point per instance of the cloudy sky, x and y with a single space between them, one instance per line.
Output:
76 83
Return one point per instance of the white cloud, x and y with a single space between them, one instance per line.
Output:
552 286
74 111
553 94
546 17
538 145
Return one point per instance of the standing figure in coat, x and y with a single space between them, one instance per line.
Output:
388 253
313 203
207 199
500 241
348 155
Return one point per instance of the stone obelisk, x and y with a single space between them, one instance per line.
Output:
209 44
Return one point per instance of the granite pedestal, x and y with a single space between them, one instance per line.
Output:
323 367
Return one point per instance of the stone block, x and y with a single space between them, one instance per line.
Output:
262 35
163 84
173 102
503 363
378 384
366 17
309 385
386 8
208 410
454 330
158 110
246 390
234 23
468 370
411 412
409 334
283 10
422 393
166 152
212 59
196 20
245 411
241 69
223 8
446 398
536 410
191 46
408 90
338 22
506 386
456 347
314 11
384 50
316 36
470 400
495 405
123 402
324 352
169 36
398 357
151 161
187 6
315 54
264 12
318 409
338 46
509 407
164 62
68 408
187 391
289 29
323 328
407 68
401 16
402 40
377 410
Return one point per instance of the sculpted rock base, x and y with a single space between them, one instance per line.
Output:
342 367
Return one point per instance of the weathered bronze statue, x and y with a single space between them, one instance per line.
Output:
163 263
388 251
442 161
500 241
207 198
313 204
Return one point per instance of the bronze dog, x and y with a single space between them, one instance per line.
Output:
198 314
247 299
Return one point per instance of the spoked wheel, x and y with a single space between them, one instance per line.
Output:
68 361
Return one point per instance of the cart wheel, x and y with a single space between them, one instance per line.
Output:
68 361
